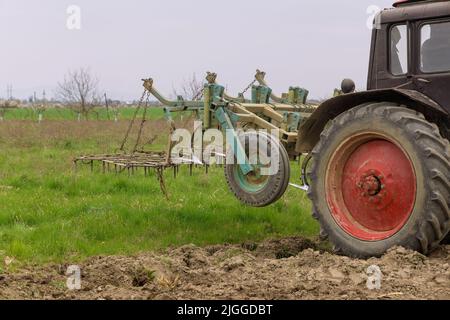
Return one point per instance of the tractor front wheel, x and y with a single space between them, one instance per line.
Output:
380 178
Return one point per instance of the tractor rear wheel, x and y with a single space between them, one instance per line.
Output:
380 178
269 180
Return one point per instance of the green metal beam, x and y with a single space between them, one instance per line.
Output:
238 150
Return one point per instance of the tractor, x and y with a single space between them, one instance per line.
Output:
376 163
380 174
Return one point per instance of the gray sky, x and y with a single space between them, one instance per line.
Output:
313 44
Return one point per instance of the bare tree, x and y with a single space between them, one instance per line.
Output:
190 89
79 91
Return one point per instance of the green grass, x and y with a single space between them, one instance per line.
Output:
49 213
123 113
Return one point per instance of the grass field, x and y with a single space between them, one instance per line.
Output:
49 213
124 113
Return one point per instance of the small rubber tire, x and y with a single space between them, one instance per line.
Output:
273 187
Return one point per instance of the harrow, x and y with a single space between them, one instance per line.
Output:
218 109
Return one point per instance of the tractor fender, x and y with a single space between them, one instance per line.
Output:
310 130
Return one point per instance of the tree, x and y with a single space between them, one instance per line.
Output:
79 91
190 89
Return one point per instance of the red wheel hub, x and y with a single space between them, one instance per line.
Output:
371 187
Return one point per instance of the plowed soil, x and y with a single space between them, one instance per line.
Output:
291 268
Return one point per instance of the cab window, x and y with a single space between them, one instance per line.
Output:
435 47
399 50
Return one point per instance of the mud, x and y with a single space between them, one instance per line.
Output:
291 268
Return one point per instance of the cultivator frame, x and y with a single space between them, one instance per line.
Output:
217 109
264 110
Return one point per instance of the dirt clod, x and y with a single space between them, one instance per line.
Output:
291 268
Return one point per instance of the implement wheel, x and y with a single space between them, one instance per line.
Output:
380 178
262 186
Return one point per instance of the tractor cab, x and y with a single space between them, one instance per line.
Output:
411 49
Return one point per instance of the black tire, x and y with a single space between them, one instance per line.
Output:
445 131
274 186
429 155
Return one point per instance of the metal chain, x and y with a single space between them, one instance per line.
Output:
144 119
122 146
248 87
199 95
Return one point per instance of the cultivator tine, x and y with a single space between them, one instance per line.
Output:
160 175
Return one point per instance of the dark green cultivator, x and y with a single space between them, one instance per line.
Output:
380 159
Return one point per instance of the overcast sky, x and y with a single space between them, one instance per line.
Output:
313 44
